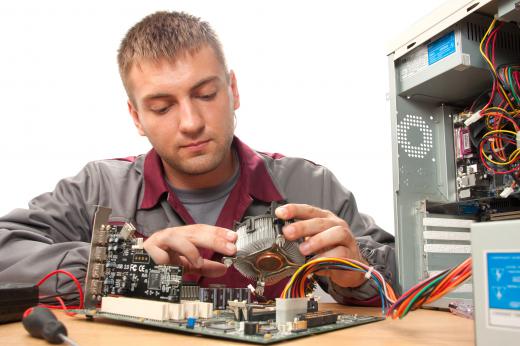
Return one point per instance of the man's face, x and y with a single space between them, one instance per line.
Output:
186 109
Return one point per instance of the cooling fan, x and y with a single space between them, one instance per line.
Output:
263 253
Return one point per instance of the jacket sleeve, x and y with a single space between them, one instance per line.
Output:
53 233
376 245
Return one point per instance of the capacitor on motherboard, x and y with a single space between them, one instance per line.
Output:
250 328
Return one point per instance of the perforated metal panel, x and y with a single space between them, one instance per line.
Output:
423 169
414 136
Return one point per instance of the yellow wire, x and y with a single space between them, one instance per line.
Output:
514 155
491 64
500 131
500 109
511 158
501 163
488 125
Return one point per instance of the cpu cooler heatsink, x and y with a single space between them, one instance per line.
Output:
263 253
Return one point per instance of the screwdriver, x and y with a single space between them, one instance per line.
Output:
42 323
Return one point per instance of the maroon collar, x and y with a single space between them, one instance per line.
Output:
253 176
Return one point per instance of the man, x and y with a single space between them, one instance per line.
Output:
186 193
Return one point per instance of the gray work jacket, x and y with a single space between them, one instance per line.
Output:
55 231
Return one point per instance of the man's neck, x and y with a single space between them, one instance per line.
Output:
214 178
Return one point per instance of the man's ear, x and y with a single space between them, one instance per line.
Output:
135 117
234 90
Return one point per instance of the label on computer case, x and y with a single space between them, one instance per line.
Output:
503 280
413 63
441 48
425 55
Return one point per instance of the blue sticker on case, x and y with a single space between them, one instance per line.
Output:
441 48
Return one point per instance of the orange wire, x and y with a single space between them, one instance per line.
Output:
310 269
449 280
391 292
448 277
449 289
301 287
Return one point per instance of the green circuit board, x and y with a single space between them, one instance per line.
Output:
224 327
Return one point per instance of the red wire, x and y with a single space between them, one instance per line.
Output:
492 95
447 282
76 282
500 115
516 76
27 312
64 307
493 36
494 81
495 154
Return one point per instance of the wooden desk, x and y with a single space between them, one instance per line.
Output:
423 327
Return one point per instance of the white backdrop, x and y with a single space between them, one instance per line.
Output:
312 77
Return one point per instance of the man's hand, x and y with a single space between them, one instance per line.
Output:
178 245
326 235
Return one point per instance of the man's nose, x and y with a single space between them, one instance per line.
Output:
191 120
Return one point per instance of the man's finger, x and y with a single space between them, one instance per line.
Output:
218 239
177 259
161 243
334 236
300 211
212 269
307 228
208 268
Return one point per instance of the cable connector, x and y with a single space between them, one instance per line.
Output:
473 118
518 140
139 244
507 191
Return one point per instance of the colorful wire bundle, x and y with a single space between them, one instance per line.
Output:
424 292
487 49
509 76
499 147
430 290
303 278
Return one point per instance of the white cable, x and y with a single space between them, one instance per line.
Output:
473 118
381 278
368 274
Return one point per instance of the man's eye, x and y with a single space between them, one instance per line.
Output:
163 110
207 97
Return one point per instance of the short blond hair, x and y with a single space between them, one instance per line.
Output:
166 35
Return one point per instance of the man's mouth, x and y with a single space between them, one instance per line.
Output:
195 146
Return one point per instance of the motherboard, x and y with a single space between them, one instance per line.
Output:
124 283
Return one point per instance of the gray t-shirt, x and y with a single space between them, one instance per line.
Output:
205 205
